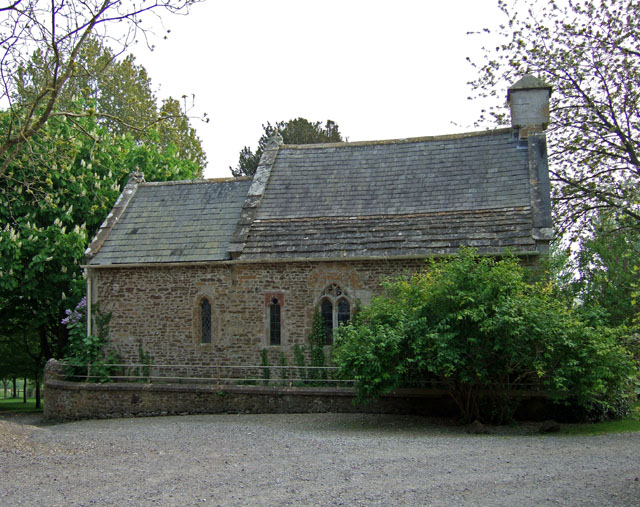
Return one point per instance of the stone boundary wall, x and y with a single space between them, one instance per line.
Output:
66 401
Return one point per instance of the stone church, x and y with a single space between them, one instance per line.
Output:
212 272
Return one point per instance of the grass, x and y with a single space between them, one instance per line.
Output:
626 425
16 405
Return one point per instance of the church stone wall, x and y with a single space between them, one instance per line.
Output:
157 309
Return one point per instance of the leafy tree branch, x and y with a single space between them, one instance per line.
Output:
57 33
587 50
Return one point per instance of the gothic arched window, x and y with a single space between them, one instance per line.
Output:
335 309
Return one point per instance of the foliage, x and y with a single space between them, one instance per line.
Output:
18 358
477 326
317 339
607 269
175 131
283 372
119 94
85 354
143 373
57 33
266 371
21 351
57 189
588 51
298 131
300 361
47 217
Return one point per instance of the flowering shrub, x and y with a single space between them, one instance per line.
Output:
77 315
85 354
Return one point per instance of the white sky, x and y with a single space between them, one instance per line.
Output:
379 69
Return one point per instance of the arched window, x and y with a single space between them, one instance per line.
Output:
326 308
274 322
205 321
335 309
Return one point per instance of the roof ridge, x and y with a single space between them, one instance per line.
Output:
347 144
196 181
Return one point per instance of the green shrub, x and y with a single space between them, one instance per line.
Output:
85 354
143 373
283 371
477 325
300 361
266 371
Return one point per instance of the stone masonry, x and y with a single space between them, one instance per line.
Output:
158 306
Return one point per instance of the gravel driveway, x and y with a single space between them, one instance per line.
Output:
308 459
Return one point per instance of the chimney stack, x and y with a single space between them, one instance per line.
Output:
529 103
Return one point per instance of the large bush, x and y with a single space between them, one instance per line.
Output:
476 325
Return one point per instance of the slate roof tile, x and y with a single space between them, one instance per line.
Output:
403 197
176 222
423 196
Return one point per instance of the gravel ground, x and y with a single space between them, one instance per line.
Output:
308 459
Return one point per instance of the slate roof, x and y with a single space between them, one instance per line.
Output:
394 198
175 222
381 199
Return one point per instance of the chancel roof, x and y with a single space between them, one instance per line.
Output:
175 222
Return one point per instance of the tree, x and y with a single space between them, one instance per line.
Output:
588 51
175 130
607 268
117 90
120 94
49 210
14 362
476 326
23 357
56 32
20 352
298 131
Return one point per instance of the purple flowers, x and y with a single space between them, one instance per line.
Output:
77 314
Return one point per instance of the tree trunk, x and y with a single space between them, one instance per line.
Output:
38 394
14 394
45 346
62 336
24 391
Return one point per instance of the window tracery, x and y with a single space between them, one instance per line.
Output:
335 308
